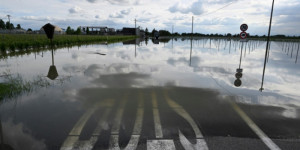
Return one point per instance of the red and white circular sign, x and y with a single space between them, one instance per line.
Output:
243 35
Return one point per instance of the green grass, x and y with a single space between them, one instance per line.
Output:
5 89
12 42
20 44
15 85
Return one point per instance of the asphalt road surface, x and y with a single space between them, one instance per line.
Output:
178 118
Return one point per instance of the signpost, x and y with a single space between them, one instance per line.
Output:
244 27
239 71
243 34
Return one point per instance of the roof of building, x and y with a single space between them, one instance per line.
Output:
57 29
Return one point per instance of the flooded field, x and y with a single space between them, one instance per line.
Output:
156 94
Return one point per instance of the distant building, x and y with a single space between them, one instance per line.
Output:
98 30
128 31
131 31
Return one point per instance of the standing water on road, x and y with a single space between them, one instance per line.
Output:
155 94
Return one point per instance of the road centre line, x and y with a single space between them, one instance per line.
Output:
157 123
267 141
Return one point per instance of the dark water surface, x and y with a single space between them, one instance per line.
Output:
167 94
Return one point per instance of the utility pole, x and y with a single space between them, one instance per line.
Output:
172 29
192 24
267 47
135 25
8 16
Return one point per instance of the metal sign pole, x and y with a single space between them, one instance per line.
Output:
267 47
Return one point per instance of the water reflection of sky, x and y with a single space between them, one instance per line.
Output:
211 64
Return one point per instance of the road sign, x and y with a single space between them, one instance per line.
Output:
244 27
243 35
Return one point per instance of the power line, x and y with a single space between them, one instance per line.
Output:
219 8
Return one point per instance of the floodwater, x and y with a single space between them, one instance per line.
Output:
156 94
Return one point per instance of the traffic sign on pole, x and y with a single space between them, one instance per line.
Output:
243 35
244 27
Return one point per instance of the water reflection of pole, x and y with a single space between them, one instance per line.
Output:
267 46
229 46
209 43
1 135
241 56
245 49
192 40
135 49
268 52
52 58
191 52
297 54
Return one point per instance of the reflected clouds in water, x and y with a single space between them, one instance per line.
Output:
19 137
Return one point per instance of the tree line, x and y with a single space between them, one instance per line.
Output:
7 25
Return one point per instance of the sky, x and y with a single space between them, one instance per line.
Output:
210 16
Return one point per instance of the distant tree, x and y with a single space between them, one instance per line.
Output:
229 34
11 26
87 30
18 26
248 34
153 31
146 32
78 31
29 30
176 34
69 30
164 33
7 25
2 24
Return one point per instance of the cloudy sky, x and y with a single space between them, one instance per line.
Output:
210 16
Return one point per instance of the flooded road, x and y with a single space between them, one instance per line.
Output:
160 94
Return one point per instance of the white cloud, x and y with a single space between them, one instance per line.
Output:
120 14
158 14
195 8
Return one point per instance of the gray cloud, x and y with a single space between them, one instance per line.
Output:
182 60
15 136
118 2
121 14
74 10
196 8
92 1
221 1
126 12
116 15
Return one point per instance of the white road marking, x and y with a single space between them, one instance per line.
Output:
180 111
200 142
254 127
157 123
72 141
76 131
134 139
117 120
160 145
